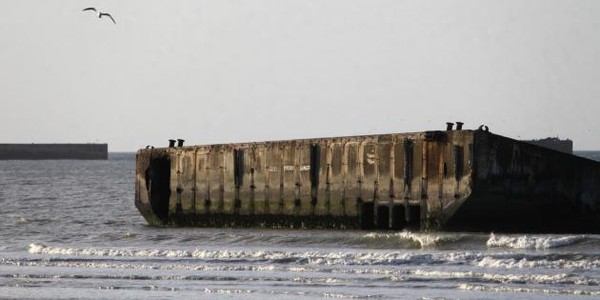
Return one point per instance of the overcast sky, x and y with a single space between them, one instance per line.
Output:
221 71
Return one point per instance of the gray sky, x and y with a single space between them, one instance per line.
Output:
221 71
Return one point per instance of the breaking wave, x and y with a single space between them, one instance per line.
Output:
508 260
417 239
288 271
533 242
520 289
501 278
273 256
540 262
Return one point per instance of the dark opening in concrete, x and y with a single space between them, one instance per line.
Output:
414 216
366 215
458 162
398 217
158 182
383 217
238 177
408 161
315 165
238 167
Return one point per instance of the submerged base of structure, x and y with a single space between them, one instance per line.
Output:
266 221
395 219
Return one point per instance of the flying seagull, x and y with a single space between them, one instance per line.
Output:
100 14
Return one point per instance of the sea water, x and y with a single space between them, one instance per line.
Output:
69 230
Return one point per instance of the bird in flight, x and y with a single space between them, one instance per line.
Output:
100 14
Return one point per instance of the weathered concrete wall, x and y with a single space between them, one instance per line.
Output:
380 181
522 187
53 151
452 180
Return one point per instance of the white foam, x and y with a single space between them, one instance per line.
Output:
514 289
308 257
326 258
532 242
428 239
161 266
327 280
560 278
339 295
422 239
36 248
367 258
227 291
524 263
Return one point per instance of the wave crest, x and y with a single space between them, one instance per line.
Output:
274 256
519 289
532 242
418 239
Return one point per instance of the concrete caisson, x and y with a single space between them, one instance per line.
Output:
452 179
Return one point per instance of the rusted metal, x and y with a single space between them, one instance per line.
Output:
453 180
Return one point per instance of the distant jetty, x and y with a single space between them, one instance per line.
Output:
554 143
53 151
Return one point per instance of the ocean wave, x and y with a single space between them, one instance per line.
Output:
530 262
306 276
306 259
23 220
517 289
227 291
560 278
272 256
418 239
533 242
156 266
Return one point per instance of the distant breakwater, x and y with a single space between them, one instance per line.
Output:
53 151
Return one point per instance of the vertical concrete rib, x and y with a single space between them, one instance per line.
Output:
297 182
344 171
221 205
376 184
408 175
424 170
361 171
209 173
441 174
281 179
267 169
328 177
195 186
424 180
392 172
179 187
253 167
